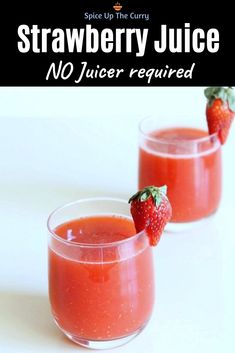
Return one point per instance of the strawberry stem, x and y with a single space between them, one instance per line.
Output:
225 94
157 193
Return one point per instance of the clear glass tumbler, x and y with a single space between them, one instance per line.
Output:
101 295
188 161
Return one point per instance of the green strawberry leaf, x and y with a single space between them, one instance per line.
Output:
145 195
225 94
157 194
231 99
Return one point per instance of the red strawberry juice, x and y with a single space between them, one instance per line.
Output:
102 289
188 161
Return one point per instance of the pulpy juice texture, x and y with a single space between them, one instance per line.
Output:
101 294
193 177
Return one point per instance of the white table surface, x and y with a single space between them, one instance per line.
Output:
60 144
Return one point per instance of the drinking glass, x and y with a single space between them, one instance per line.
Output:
101 295
190 166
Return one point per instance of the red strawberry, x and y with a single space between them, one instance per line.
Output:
220 110
151 210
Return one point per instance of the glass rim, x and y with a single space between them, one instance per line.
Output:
162 141
89 245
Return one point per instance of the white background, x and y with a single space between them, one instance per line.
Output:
60 144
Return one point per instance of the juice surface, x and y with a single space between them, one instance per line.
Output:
101 294
97 230
191 173
179 134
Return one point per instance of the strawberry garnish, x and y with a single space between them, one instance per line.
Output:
220 110
151 210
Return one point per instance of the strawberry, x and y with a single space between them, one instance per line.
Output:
220 110
151 210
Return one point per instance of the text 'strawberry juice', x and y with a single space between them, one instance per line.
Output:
101 282
188 161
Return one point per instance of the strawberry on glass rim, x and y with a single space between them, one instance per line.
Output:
220 110
151 210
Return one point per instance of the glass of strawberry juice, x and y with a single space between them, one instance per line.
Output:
101 280
188 161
